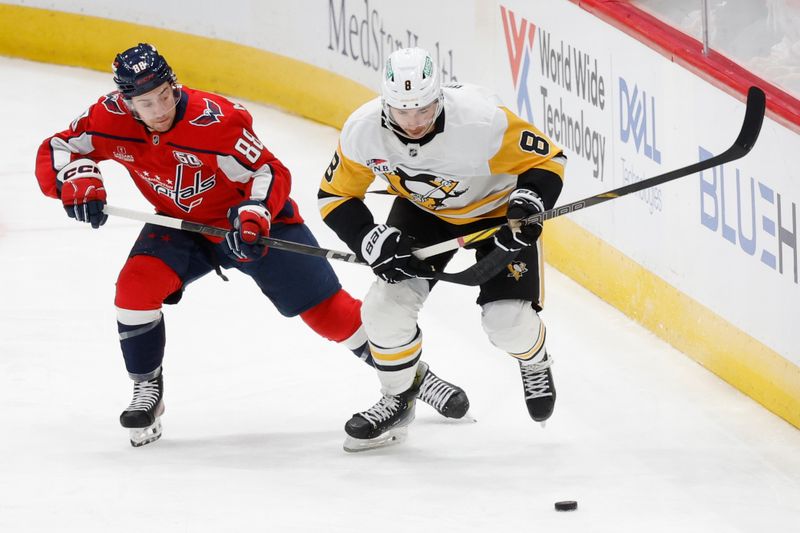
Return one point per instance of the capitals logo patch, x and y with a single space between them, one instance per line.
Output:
112 105
516 270
210 116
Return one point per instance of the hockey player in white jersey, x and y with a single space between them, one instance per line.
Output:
458 162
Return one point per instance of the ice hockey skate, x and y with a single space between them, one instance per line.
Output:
383 424
537 383
143 415
449 400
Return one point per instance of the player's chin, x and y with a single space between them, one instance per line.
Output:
160 125
416 134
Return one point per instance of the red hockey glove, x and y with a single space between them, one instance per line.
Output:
250 221
522 203
81 188
388 252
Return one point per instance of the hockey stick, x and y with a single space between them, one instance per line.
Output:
487 267
751 127
213 231
474 275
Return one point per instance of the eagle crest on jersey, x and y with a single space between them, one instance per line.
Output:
210 116
111 103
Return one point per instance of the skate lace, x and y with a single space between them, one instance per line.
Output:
534 378
383 410
434 391
145 396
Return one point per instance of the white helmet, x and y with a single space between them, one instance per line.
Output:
410 79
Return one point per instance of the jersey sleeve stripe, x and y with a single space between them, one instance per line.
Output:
233 168
62 149
327 205
262 183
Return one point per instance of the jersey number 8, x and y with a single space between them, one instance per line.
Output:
332 167
530 142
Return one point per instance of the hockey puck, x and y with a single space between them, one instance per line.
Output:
566 506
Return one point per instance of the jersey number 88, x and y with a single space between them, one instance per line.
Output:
250 148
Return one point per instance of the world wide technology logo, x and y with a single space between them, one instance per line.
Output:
566 72
519 45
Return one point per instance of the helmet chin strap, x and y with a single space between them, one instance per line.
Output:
176 93
395 127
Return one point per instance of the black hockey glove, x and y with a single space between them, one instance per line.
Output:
521 204
388 252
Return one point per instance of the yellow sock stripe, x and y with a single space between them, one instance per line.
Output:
536 347
397 356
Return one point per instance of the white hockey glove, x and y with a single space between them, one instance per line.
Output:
388 251
80 186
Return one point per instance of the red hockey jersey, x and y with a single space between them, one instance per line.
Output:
210 160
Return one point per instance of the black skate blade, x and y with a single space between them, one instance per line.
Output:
389 438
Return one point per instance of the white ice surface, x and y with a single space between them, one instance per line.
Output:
644 438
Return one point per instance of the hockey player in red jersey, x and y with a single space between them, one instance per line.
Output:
194 155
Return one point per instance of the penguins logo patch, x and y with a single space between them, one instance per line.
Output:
516 270
429 190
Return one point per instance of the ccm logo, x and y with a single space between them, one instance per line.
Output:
83 170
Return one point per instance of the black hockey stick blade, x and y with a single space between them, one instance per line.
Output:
482 271
753 119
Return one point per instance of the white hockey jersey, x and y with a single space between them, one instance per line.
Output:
463 173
